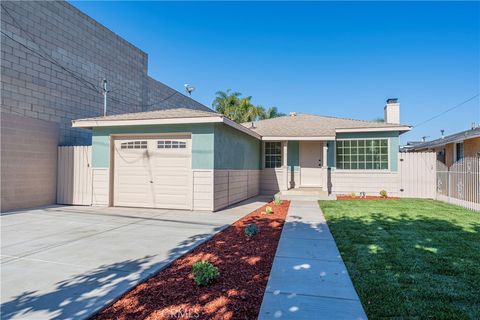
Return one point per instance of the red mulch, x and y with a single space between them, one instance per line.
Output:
244 266
347 198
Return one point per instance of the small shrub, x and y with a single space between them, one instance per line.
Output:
353 195
204 273
251 230
268 210
383 194
277 201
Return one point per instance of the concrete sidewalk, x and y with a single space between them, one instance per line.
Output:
67 262
309 279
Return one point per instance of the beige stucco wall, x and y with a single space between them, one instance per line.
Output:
471 147
449 156
28 162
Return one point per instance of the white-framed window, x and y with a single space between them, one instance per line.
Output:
362 154
273 154
139 144
171 144
459 151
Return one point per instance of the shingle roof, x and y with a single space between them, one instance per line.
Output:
158 114
307 125
460 136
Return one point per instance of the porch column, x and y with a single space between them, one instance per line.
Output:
325 166
285 165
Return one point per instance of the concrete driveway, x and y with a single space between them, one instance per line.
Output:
67 262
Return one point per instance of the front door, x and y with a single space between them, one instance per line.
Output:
311 163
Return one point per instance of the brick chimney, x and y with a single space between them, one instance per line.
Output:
391 112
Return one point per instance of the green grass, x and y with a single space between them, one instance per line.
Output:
410 258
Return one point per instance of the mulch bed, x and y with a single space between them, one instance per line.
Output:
244 266
347 198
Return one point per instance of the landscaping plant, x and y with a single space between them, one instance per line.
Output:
353 195
251 230
383 194
204 273
277 201
268 210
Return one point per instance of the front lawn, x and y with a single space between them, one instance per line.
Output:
410 258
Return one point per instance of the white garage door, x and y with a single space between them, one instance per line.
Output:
153 172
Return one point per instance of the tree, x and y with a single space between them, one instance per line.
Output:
379 119
270 113
241 109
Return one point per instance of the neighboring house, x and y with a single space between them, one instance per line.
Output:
191 159
452 148
53 59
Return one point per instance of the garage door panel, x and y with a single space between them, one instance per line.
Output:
153 176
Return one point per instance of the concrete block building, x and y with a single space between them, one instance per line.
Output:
53 60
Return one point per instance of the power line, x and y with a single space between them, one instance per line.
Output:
447 110
46 55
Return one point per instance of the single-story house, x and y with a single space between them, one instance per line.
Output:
452 148
193 159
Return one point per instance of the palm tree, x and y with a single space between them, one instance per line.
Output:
241 109
271 112
226 102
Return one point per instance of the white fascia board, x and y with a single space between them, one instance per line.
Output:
239 127
376 129
115 123
280 138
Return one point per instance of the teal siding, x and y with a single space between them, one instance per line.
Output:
331 153
392 135
293 155
202 141
236 150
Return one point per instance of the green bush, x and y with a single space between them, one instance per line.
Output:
353 195
268 210
277 201
251 230
204 273
383 194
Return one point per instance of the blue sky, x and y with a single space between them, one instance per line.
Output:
332 58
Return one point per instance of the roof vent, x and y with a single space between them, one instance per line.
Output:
293 114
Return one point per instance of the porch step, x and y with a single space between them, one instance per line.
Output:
305 194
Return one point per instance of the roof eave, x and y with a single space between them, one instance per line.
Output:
400 128
89 124
86 123
297 138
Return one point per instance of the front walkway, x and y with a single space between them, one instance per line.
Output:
309 279
66 262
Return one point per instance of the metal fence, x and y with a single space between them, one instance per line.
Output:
460 183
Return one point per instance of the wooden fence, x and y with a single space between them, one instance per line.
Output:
417 174
460 184
74 177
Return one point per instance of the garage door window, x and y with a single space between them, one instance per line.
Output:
171 144
134 145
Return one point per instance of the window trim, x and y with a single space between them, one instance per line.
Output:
389 153
456 150
264 158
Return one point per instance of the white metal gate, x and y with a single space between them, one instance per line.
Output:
417 174
74 177
460 184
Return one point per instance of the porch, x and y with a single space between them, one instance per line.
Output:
297 167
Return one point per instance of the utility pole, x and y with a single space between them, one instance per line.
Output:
105 91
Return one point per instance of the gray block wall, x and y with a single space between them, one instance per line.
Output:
53 60
28 162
